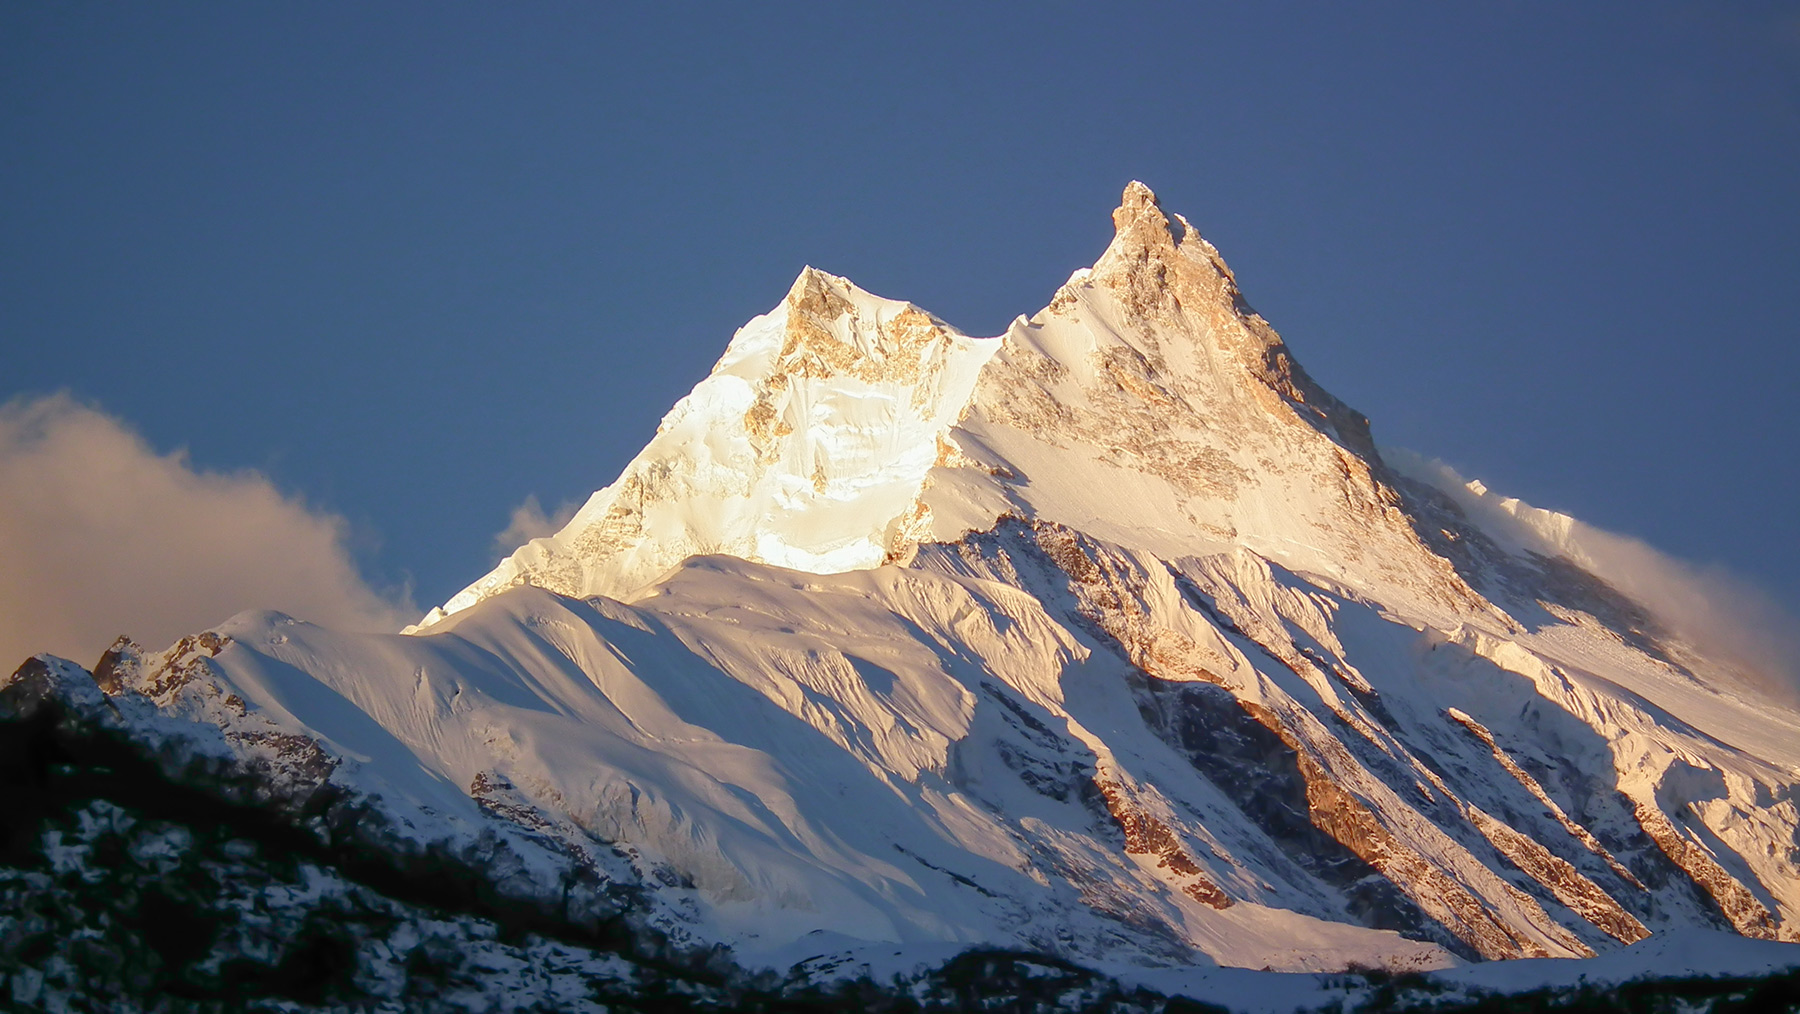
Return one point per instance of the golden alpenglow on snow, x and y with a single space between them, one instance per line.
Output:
1113 640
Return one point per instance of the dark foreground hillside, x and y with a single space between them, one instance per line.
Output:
122 890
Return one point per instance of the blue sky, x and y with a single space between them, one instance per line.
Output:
416 262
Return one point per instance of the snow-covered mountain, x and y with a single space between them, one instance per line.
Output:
1113 638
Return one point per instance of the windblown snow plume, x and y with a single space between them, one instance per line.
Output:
1721 615
529 521
100 536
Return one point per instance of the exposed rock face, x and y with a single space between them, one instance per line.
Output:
1207 433
1146 835
1747 915
1113 638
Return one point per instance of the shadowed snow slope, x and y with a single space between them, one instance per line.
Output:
1112 638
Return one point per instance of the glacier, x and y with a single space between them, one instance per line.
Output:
1114 638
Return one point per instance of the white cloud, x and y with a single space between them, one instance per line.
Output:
1724 617
101 536
530 522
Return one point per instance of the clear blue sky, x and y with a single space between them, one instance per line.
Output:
418 261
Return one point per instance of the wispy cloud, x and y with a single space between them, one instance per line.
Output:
1723 616
101 535
530 522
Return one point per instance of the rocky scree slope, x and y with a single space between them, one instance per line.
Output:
1112 639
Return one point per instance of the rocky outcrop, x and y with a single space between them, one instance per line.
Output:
1530 784
1146 835
1581 895
1747 915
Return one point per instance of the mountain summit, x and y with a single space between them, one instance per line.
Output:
806 448
831 436
1112 639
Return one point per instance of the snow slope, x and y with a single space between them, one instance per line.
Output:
805 448
1112 638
